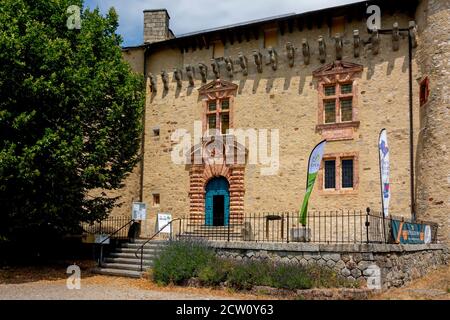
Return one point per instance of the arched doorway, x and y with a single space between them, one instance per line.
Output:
217 202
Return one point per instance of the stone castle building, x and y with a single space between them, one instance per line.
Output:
295 79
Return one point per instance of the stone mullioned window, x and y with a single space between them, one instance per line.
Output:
339 173
338 100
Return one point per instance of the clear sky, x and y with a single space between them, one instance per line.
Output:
193 15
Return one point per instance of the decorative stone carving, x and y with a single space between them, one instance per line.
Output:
356 43
243 62
258 60
290 54
153 81
305 51
165 80
178 75
322 49
190 72
273 58
215 68
413 33
395 37
339 46
203 72
230 66
375 41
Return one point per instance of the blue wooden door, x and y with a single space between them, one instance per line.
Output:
215 188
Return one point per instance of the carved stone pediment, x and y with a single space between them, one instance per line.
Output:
218 150
340 69
218 88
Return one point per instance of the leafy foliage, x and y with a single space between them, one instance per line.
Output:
184 260
70 111
181 261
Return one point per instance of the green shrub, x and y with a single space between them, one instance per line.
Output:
291 277
215 272
245 275
326 278
180 261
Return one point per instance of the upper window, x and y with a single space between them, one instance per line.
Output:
218 103
338 102
338 97
218 116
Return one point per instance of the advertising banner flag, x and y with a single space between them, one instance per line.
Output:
315 159
411 233
384 172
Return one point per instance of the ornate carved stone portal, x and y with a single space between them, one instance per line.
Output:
218 159
215 157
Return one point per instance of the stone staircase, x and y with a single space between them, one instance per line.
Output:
212 233
123 262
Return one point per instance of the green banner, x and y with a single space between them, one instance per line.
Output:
315 160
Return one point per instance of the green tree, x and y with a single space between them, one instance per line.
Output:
70 117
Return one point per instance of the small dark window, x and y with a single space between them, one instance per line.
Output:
346 110
212 121
212 106
347 173
346 88
424 91
225 104
330 111
330 90
156 132
225 122
330 174
156 200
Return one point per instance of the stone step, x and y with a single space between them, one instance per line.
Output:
138 246
157 242
123 266
119 273
128 261
131 255
134 250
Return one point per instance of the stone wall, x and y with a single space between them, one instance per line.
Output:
398 264
433 165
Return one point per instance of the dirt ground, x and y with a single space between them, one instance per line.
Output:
434 286
49 282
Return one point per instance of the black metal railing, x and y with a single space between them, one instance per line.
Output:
327 227
107 226
141 248
111 236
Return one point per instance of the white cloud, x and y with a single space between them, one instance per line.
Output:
194 15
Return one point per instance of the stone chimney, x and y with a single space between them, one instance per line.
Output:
156 26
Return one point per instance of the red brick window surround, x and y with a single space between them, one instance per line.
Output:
339 173
338 100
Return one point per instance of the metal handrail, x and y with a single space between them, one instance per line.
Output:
132 221
141 248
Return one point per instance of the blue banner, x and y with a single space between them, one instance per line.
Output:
410 233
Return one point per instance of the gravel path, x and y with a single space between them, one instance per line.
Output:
59 291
